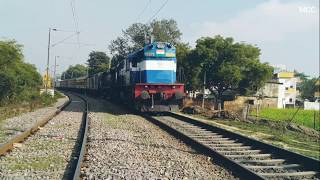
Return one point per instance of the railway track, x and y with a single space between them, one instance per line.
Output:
72 171
246 157
9 145
83 140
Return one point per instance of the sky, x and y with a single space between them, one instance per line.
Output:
286 31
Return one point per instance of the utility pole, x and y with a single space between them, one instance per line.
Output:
48 61
47 69
54 71
204 88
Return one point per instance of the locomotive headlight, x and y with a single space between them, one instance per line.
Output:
173 87
145 86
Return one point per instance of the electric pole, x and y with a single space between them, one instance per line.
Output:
54 71
48 61
47 69
204 89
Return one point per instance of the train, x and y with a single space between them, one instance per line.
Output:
145 80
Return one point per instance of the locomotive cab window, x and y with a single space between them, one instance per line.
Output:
127 65
134 64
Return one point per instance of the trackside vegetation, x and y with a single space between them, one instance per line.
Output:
308 118
20 82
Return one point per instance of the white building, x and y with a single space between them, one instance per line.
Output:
287 91
282 87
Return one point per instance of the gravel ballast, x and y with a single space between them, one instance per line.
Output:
15 125
126 146
48 154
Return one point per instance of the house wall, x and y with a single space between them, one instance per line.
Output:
240 102
311 106
287 93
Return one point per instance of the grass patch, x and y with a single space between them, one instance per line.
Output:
35 163
47 144
121 122
16 108
302 117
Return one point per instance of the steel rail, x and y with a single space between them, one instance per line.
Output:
83 140
240 169
4 148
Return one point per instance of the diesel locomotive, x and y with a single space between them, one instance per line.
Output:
146 79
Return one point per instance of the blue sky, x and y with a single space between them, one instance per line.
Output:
287 31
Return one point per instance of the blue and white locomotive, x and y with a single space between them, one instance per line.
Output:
150 73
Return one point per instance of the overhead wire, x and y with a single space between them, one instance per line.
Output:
68 37
143 10
75 18
162 6
76 24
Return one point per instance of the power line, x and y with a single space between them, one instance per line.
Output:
75 18
143 10
76 23
162 6
68 37
82 44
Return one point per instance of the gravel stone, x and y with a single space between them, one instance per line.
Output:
15 125
48 154
126 146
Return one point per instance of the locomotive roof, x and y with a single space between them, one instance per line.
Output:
149 47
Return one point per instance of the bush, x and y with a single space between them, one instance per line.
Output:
19 81
6 86
58 95
47 99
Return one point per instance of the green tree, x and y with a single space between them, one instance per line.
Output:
255 74
120 49
18 80
76 71
135 35
7 86
302 76
133 38
10 54
165 30
98 62
230 66
308 88
304 90
188 68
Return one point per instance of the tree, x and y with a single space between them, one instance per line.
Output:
98 62
165 30
306 86
135 35
255 75
187 67
307 89
76 71
7 86
120 49
18 80
10 54
302 76
133 38
230 66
